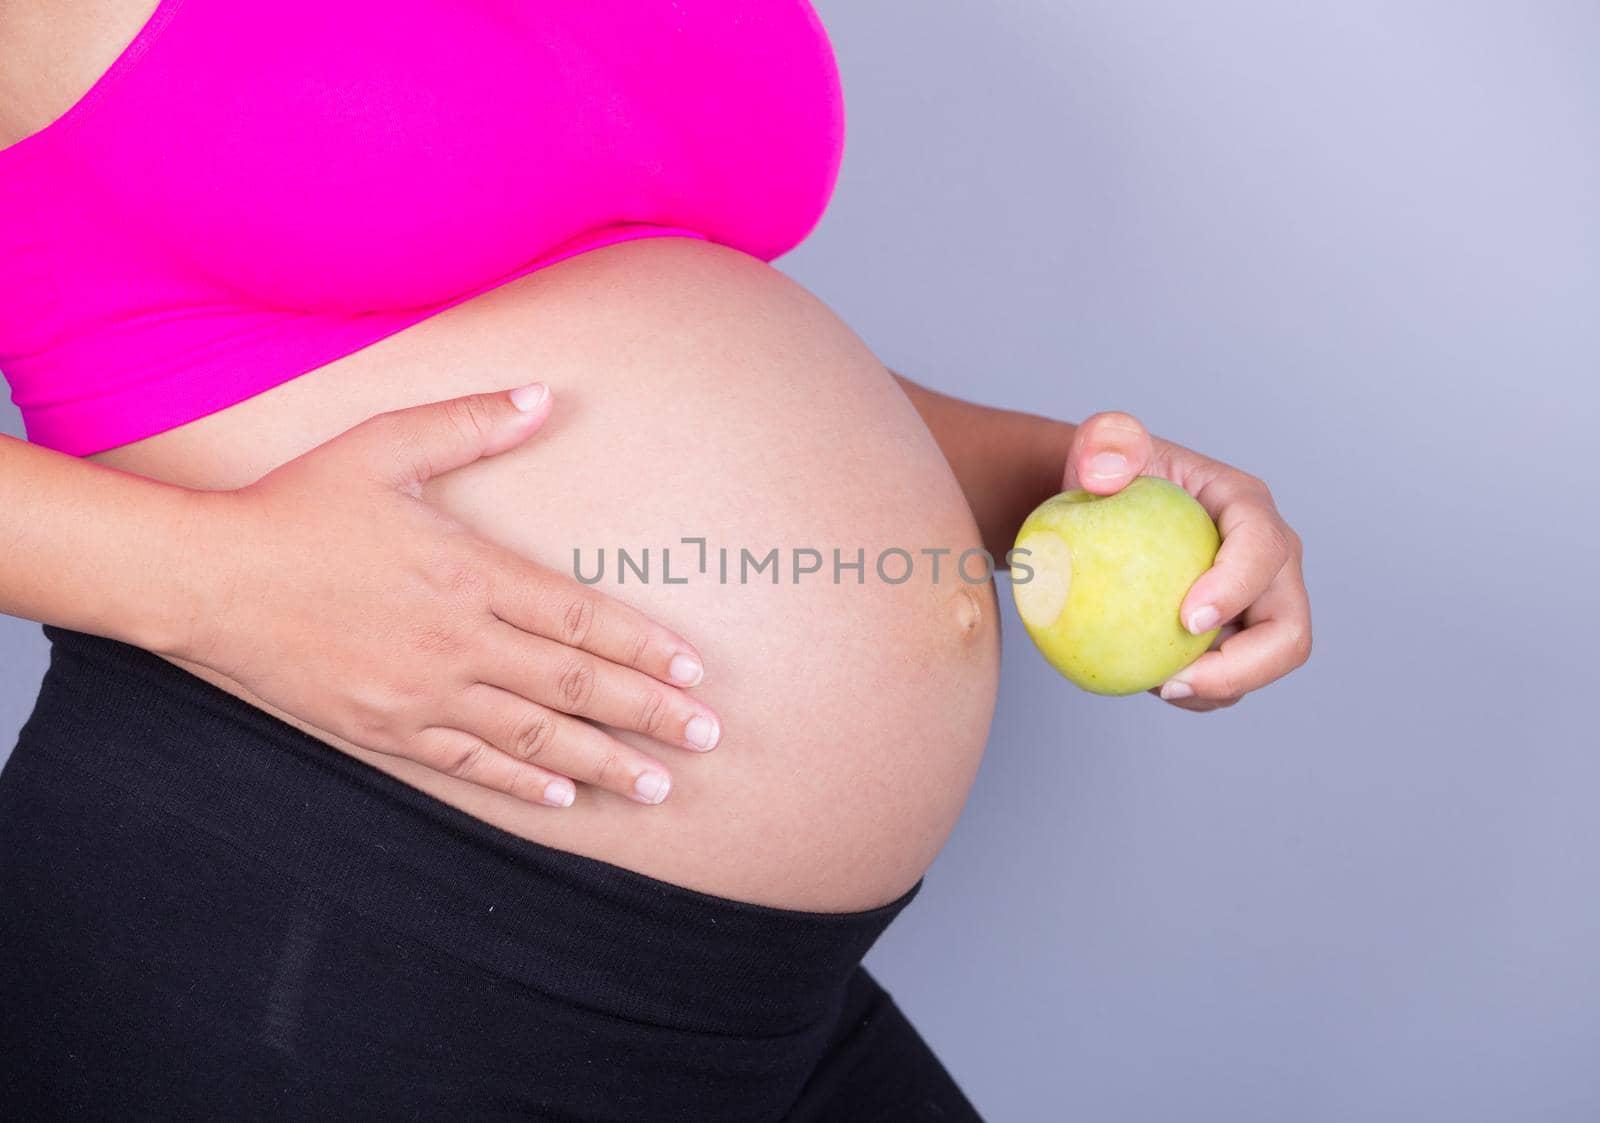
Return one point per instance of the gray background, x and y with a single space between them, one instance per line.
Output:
1353 249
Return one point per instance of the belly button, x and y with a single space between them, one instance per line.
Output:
967 610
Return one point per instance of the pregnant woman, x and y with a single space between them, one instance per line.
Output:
356 344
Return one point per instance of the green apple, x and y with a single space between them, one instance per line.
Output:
1099 579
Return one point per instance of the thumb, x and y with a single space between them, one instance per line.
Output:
408 447
1106 453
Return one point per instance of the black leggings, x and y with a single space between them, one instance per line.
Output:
208 915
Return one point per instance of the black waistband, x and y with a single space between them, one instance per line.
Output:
574 927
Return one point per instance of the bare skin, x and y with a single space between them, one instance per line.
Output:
51 53
706 395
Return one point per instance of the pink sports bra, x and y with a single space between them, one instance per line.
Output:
254 190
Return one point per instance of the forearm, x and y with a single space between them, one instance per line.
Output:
96 550
1007 462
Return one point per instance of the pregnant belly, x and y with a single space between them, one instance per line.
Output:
702 395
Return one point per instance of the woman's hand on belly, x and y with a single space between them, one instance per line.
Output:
699 393
352 606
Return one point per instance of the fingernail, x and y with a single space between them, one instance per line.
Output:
1107 465
1203 619
701 732
531 397
652 787
560 793
685 670
1174 690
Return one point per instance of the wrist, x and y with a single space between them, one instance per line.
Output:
191 578
1028 473
1043 463
1007 462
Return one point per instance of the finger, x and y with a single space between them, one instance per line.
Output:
1197 705
561 608
576 682
1255 548
525 731
1250 660
407 447
1276 640
466 757
1224 633
1107 452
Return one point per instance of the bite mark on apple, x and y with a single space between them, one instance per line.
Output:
1043 596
